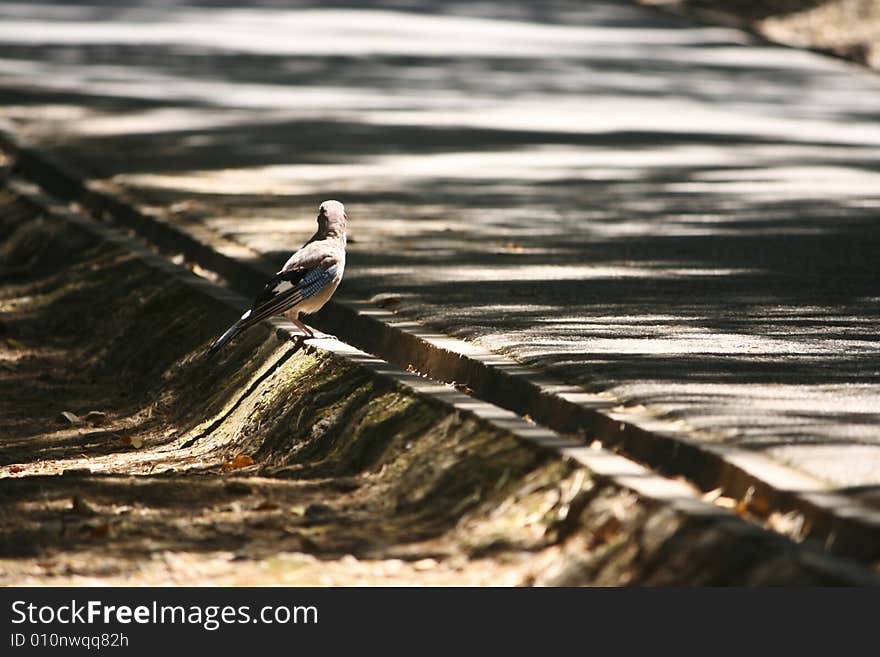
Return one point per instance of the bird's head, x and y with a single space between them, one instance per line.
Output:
331 219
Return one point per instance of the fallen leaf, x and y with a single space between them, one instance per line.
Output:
69 418
132 441
96 418
15 469
386 300
240 461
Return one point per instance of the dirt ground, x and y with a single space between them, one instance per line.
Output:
166 477
846 28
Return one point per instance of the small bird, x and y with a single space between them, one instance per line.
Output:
306 281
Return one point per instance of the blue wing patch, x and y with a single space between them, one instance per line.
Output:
315 280
287 289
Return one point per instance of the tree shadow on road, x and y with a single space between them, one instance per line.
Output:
719 263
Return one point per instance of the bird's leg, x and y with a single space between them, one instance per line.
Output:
302 327
311 334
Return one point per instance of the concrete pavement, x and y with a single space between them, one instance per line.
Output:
671 216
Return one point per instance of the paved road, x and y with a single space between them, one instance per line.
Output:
666 213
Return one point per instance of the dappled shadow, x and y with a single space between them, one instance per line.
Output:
59 359
635 204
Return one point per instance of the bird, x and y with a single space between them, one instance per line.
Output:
306 281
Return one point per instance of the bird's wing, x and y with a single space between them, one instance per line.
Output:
311 255
288 288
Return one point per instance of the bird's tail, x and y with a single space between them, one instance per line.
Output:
221 342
